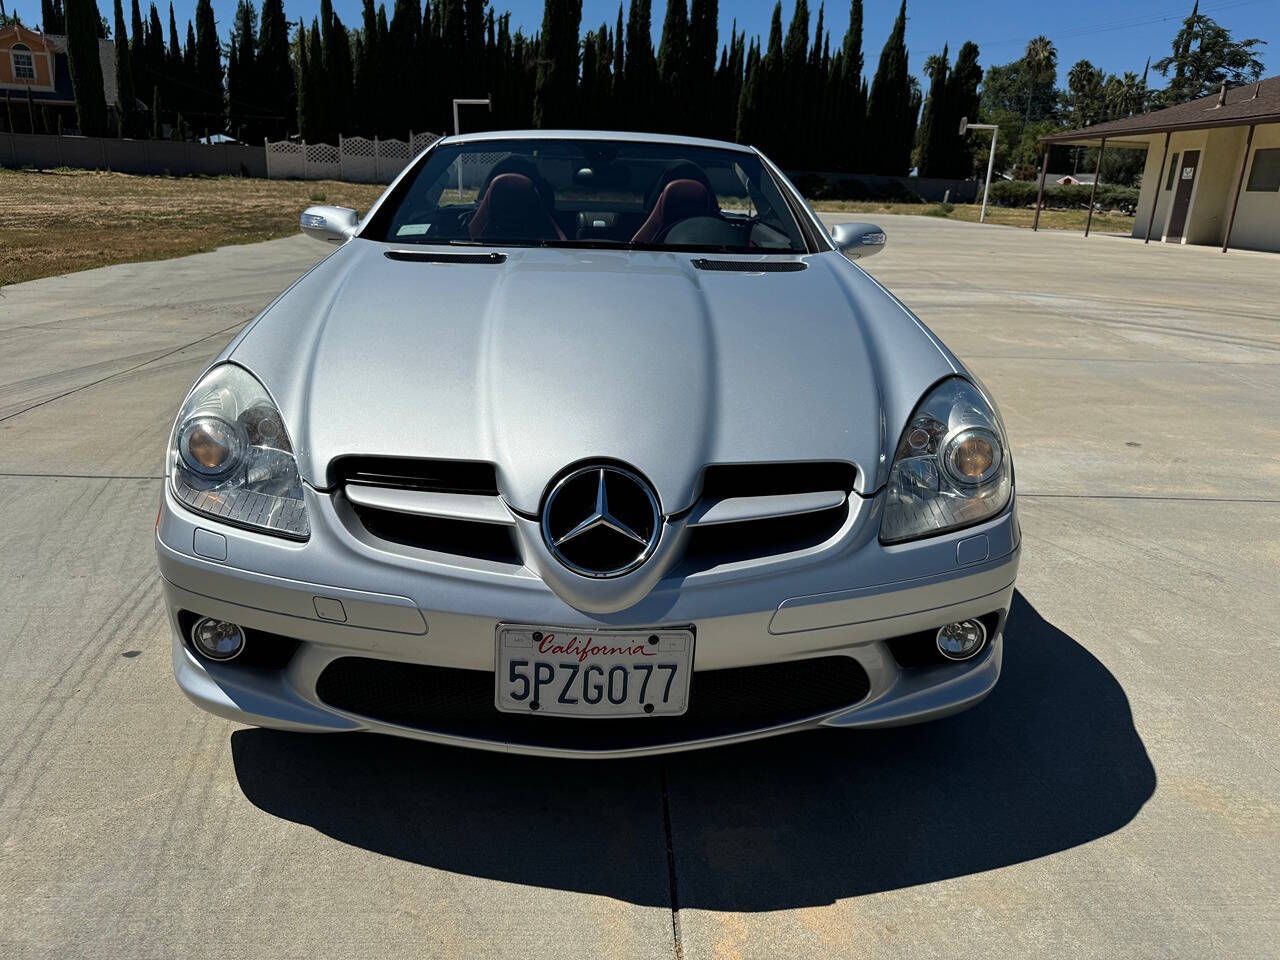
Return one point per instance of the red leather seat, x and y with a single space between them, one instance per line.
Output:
512 210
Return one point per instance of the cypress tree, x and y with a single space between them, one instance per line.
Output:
52 18
173 64
174 55
304 86
189 67
317 85
770 105
641 73
933 138
703 41
473 59
208 65
405 42
275 73
246 26
556 81
387 107
749 99
367 72
83 24
673 57
619 63
453 40
155 52
157 128
590 99
814 121
963 97
124 72
788 106
889 122
336 57
731 92
850 97
142 81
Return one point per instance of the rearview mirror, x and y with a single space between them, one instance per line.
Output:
858 240
331 224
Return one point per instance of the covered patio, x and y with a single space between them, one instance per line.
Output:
1212 173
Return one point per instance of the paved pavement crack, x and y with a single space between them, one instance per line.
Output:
1143 496
80 476
677 940
120 373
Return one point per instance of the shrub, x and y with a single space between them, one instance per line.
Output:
1021 193
317 196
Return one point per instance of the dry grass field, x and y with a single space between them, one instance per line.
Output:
59 221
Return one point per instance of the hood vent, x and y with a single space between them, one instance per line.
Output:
423 256
751 266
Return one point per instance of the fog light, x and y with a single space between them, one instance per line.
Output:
962 640
218 639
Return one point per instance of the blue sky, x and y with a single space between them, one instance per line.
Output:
1116 36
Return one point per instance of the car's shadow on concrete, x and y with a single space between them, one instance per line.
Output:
1049 761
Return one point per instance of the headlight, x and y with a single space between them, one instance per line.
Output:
951 468
231 458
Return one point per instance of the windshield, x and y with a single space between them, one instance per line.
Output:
590 193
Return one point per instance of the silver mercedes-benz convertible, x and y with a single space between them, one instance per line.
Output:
587 444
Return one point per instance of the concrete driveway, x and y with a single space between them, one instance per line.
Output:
1116 795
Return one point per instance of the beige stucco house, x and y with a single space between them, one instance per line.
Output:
1212 174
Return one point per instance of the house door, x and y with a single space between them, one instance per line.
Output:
1182 198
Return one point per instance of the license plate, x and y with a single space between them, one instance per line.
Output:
564 672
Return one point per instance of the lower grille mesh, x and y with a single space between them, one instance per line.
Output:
721 702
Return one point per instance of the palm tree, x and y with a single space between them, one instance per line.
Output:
1041 57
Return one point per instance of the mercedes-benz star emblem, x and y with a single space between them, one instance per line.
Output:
601 521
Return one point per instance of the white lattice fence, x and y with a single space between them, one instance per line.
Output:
324 161
392 157
356 159
286 160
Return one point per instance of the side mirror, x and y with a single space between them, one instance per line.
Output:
331 224
858 240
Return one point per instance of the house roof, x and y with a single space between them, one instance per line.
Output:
106 57
1248 104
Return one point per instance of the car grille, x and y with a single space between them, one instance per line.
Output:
721 703
452 535
707 546
718 544
407 473
460 538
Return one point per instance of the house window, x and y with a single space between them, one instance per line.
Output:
1265 175
1173 168
24 67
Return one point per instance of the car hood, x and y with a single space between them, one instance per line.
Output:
555 356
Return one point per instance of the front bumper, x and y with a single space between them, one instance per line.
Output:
846 597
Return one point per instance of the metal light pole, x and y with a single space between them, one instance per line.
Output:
482 102
966 126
